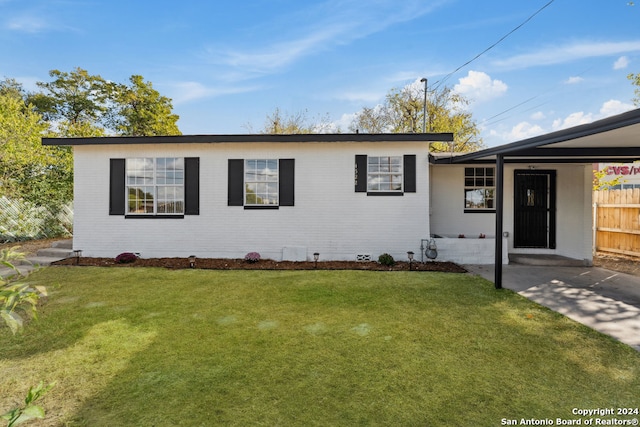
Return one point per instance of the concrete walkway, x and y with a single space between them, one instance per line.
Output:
604 300
59 250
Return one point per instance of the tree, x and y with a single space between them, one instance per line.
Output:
81 104
296 123
28 170
635 80
403 112
142 111
11 87
75 101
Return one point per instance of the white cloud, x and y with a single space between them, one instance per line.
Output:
608 108
480 87
573 119
574 80
33 21
523 130
342 124
184 92
613 107
621 63
27 24
567 53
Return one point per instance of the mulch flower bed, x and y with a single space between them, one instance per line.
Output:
263 264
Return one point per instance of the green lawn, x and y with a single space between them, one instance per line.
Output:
154 347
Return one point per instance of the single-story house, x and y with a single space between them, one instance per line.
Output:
344 196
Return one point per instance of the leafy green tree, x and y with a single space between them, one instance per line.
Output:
42 175
11 87
142 111
77 103
403 112
635 80
28 170
74 100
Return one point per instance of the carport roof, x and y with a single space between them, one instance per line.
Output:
614 139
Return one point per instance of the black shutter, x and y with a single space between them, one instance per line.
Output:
410 173
192 186
286 182
361 173
235 183
117 174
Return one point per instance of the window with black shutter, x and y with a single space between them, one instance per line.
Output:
385 175
147 187
261 183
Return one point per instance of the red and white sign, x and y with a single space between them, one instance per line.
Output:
631 169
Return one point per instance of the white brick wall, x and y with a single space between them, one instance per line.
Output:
329 217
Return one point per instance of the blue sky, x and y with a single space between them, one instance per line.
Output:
228 64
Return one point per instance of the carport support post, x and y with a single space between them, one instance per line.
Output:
499 219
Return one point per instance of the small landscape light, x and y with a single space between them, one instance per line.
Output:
77 253
410 255
192 261
316 255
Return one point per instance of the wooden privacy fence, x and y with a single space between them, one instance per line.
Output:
616 221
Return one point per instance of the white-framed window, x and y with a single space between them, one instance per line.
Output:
261 182
384 173
155 186
479 189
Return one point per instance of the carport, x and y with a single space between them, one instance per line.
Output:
614 139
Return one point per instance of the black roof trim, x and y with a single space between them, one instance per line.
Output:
212 139
579 160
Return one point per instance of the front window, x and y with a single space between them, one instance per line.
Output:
384 173
155 186
261 182
479 189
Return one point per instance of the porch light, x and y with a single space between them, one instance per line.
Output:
316 255
77 253
410 256
192 261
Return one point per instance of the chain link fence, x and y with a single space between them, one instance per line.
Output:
21 220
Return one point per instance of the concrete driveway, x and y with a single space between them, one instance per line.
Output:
604 300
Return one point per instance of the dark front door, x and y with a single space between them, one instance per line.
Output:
534 209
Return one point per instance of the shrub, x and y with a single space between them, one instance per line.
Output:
126 257
252 257
386 259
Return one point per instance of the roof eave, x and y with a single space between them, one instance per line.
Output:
254 138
